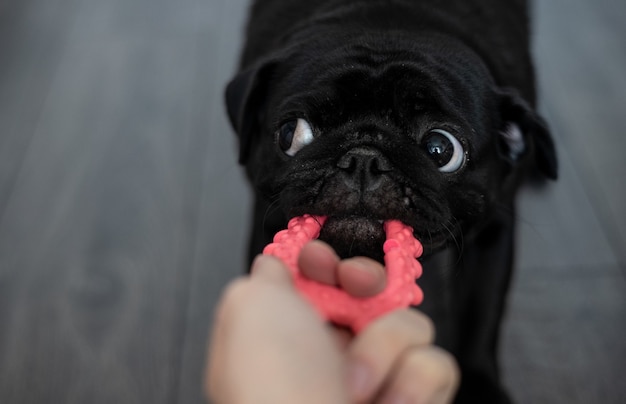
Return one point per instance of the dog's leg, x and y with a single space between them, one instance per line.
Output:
482 285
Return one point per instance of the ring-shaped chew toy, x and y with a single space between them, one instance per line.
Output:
335 304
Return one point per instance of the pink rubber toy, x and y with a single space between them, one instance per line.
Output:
336 305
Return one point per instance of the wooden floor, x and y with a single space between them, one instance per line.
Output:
123 211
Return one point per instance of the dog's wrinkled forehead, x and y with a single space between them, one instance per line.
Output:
403 87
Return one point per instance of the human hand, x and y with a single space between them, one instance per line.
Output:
269 345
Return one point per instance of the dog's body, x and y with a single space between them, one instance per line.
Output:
420 111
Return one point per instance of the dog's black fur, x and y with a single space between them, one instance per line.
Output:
373 79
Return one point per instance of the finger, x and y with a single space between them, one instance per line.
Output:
245 299
361 276
217 354
265 332
423 375
375 350
318 261
269 268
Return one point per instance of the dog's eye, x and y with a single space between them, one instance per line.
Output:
445 150
293 136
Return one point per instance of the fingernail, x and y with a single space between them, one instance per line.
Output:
359 380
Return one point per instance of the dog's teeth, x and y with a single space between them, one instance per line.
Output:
381 221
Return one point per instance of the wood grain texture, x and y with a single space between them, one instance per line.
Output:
32 41
564 339
581 55
123 212
98 232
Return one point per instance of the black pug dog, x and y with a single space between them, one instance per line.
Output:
421 111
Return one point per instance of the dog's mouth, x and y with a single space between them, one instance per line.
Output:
352 236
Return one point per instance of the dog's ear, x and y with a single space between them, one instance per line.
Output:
525 130
245 98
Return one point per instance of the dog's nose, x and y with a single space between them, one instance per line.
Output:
363 168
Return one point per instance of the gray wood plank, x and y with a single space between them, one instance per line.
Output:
29 59
564 340
224 208
94 245
558 226
581 59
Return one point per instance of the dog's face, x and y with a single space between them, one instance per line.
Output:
419 133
